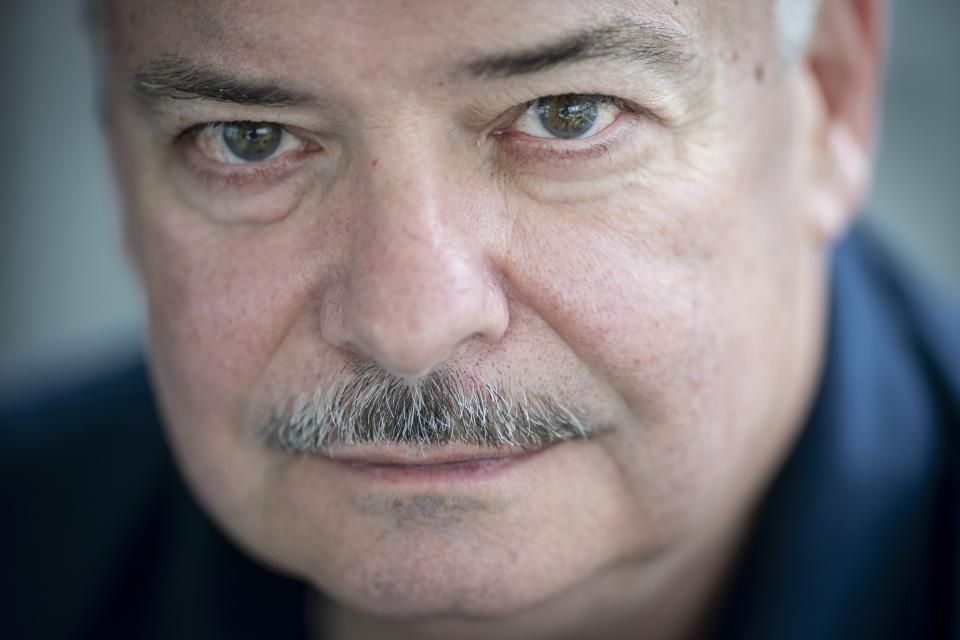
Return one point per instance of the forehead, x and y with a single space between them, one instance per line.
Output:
303 37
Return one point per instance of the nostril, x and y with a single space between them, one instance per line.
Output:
414 343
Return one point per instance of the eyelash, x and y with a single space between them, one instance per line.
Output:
573 149
240 174
216 173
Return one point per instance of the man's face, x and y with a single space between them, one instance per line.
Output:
602 204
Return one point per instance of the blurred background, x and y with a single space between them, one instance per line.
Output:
69 303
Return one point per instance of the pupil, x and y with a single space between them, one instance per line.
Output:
252 141
568 116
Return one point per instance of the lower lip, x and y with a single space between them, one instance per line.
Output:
463 471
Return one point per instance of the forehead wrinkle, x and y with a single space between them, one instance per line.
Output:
657 41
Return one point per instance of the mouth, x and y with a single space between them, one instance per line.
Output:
433 464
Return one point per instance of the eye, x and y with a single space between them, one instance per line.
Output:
568 117
244 142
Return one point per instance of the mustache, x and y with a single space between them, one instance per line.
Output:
373 407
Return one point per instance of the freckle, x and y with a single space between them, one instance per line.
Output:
735 56
676 3
758 73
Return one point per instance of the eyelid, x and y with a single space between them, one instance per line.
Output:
604 103
524 147
244 176
207 139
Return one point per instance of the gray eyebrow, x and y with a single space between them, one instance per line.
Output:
644 42
176 78
633 41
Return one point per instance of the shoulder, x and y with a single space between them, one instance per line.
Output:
921 316
858 535
101 526
898 335
888 407
79 452
83 468
73 423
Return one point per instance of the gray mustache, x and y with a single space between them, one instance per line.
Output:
373 407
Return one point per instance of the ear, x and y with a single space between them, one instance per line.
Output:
845 63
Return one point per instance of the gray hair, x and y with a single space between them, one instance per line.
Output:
374 407
795 20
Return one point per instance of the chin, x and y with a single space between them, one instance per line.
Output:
436 584
461 548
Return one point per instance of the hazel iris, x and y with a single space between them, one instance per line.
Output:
568 116
252 141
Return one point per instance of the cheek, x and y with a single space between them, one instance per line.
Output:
220 305
668 303
624 288
206 322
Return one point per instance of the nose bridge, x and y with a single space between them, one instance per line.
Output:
404 209
411 257
416 284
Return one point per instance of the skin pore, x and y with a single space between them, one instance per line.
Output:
664 277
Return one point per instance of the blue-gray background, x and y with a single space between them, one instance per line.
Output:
69 303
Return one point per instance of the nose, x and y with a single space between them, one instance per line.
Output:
415 284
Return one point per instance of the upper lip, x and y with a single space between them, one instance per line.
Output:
398 455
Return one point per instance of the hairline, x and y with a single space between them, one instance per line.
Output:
795 20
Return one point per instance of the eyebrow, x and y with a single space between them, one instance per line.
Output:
634 41
647 43
175 78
